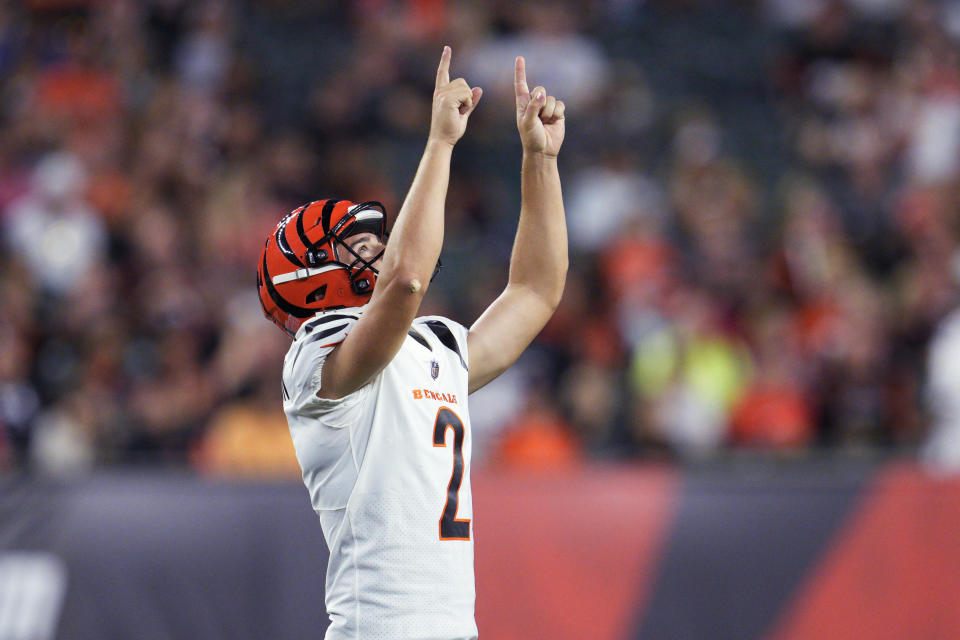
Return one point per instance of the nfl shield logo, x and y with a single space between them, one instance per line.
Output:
434 369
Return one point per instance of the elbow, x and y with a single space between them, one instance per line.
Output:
548 296
553 298
561 283
412 285
410 274
407 283
546 288
554 294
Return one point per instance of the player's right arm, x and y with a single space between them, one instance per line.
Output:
411 254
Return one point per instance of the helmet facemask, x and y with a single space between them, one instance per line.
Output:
364 218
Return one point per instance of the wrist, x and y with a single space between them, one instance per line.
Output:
439 143
538 158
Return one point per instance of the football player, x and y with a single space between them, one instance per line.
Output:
376 397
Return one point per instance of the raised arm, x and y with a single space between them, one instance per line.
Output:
413 249
538 263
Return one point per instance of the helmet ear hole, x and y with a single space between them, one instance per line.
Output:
361 286
315 257
317 294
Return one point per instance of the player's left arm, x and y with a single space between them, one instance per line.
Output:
538 263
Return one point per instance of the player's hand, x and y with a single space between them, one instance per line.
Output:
539 116
453 102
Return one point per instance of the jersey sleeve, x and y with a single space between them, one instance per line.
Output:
303 372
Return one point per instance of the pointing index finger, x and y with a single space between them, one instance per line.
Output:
520 78
443 71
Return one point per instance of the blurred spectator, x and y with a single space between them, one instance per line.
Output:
493 407
687 373
62 442
248 439
537 437
773 411
603 200
203 54
593 397
19 400
942 448
52 228
759 261
545 32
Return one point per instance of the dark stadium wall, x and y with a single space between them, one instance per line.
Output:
797 553
160 556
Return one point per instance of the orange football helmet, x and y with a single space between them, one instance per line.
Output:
301 269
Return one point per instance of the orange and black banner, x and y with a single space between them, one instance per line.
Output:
805 553
796 553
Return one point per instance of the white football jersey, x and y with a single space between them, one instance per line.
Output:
388 472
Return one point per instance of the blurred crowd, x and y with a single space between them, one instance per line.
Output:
762 197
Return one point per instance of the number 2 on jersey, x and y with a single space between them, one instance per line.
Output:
450 527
